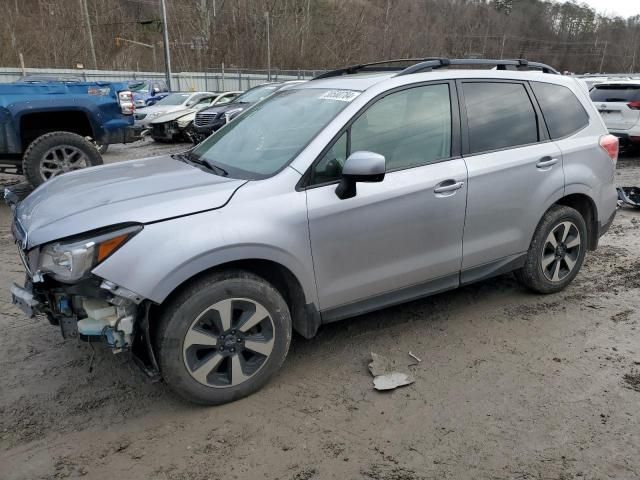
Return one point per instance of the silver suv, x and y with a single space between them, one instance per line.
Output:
366 187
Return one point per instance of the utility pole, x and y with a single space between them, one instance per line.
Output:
165 34
85 11
604 51
504 39
266 17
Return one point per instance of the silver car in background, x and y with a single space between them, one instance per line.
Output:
173 102
354 191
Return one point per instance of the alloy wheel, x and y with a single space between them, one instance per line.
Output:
62 159
561 251
228 343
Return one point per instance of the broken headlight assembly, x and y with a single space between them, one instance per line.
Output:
71 260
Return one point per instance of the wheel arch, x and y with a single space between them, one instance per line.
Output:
36 123
584 204
304 314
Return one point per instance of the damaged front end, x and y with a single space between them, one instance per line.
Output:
60 285
87 310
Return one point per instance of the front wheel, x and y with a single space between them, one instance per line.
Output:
55 153
556 252
223 337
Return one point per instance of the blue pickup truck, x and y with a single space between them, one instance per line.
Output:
49 128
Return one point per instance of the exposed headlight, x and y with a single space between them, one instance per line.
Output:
69 261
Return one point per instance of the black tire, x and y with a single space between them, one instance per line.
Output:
537 274
180 318
34 156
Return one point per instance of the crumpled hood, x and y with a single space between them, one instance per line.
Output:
169 117
139 191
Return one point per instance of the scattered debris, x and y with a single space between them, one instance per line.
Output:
629 196
386 375
414 357
392 380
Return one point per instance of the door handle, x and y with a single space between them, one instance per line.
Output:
546 162
448 186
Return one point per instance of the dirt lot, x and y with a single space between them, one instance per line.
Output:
511 386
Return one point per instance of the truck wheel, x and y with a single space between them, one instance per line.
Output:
55 153
222 337
557 251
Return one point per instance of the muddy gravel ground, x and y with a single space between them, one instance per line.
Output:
511 385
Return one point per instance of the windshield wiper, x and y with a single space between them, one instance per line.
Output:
221 171
193 158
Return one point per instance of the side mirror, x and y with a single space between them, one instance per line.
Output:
361 166
156 90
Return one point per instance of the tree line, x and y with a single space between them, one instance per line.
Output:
313 34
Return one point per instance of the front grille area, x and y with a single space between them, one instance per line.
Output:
158 129
204 118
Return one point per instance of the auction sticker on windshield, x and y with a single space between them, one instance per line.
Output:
340 95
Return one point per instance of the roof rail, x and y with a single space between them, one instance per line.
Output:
500 64
372 67
428 64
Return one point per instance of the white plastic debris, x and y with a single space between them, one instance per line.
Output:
392 380
386 375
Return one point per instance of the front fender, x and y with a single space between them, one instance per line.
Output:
166 254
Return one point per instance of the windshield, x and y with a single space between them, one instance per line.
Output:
615 93
258 93
139 87
268 136
174 99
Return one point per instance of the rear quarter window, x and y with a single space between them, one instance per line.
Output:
562 111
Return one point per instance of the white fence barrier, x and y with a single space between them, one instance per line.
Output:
211 80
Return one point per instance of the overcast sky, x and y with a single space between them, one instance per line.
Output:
624 8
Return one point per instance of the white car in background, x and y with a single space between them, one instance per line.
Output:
618 102
177 124
171 103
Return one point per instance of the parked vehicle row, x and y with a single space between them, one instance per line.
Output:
178 124
211 119
363 188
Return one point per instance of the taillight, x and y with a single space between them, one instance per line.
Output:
634 105
610 144
125 99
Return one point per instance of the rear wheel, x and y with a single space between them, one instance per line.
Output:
55 153
223 337
557 251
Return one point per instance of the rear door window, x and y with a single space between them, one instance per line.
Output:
562 111
499 115
616 93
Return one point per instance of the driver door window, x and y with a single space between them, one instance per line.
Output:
410 128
